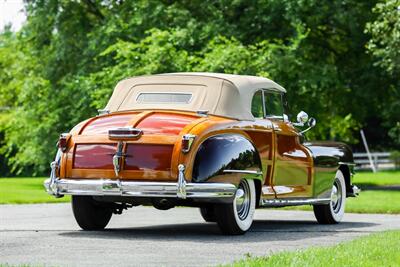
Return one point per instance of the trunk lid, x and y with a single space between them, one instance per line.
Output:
147 157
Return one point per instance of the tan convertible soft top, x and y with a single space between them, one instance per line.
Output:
225 95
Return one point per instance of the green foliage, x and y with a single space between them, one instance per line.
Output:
63 64
384 45
385 35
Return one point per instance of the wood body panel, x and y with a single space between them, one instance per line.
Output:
287 165
293 174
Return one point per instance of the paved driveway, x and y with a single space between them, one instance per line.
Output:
47 235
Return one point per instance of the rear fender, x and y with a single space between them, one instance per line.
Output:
226 158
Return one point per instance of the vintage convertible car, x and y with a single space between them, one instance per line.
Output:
215 141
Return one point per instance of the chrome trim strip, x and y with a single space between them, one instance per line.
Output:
125 136
263 103
103 112
202 113
346 163
293 202
118 158
105 187
181 186
190 138
243 171
52 184
114 133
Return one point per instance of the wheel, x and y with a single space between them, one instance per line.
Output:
89 214
208 213
236 218
333 212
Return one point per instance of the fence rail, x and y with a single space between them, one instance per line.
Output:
381 161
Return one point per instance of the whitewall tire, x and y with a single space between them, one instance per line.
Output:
333 212
237 217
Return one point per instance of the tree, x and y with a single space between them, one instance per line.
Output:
384 45
63 64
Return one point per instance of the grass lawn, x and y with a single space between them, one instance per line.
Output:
372 201
368 202
379 178
25 190
381 249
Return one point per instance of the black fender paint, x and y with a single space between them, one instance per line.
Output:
224 152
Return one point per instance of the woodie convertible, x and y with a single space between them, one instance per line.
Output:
219 142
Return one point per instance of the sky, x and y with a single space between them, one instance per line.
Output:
11 11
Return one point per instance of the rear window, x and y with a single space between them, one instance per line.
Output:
177 98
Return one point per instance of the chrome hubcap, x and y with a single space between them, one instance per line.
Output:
242 200
336 196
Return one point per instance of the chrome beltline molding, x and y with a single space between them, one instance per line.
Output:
346 163
243 171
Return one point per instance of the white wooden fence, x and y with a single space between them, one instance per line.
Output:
381 161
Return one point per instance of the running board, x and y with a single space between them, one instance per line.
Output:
293 202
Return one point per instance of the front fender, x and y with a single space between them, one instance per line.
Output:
226 153
330 153
329 157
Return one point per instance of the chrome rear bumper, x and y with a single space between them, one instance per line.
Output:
107 187
104 187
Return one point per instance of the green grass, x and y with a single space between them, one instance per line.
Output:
372 201
25 190
368 202
381 249
375 202
379 178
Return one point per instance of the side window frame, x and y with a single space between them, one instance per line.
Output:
264 108
273 116
262 103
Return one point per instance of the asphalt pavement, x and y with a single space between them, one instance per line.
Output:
47 235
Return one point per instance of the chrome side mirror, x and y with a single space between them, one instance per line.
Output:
311 123
302 118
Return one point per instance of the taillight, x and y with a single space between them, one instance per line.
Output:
187 141
63 141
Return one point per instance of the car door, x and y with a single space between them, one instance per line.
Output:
292 171
262 137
